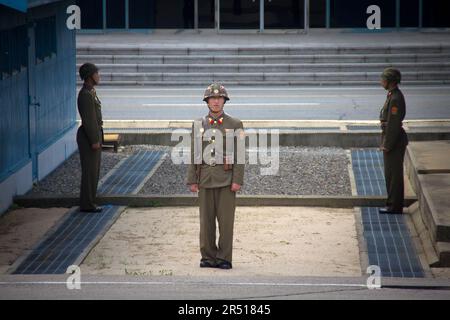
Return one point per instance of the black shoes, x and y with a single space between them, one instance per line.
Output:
207 264
95 210
220 265
224 265
389 211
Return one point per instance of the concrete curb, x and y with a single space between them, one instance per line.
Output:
191 200
176 124
315 138
141 49
432 229
159 132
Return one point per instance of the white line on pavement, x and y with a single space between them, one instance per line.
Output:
233 105
275 284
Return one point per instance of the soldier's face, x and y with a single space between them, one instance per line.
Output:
384 83
216 104
96 78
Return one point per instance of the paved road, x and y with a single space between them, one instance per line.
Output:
224 287
271 103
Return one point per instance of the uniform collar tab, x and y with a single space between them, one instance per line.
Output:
392 90
216 118
88 87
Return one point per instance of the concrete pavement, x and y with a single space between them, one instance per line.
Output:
271 103
201 288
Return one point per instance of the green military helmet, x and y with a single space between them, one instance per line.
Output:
391 75
87 70
215 90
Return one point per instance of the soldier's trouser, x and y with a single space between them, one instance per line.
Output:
393 173
90 171
216 203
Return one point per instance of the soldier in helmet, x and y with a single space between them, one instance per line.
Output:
216 178
89 137
393 140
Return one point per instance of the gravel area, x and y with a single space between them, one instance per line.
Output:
66 179
303 171
132 149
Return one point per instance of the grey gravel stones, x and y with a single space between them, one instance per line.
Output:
302 171
65 180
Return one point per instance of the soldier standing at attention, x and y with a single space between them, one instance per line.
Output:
89 137
393 141
216 181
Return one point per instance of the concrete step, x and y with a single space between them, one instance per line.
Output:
268 76
434 195
260 50
284 65
284 68
263 59
437 253
443 252
434 202
428 169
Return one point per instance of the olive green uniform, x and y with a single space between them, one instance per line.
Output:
216 200
395 140
90 132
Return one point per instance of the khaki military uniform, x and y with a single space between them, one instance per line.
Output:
395 140
90 132
216 200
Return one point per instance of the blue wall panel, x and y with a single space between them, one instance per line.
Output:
55 86
14 142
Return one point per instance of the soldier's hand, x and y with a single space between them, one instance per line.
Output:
384 149
96 146
235 187
193 187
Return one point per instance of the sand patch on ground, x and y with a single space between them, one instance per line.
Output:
267 241
441 273
21 229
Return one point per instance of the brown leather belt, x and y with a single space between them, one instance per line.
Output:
213 163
